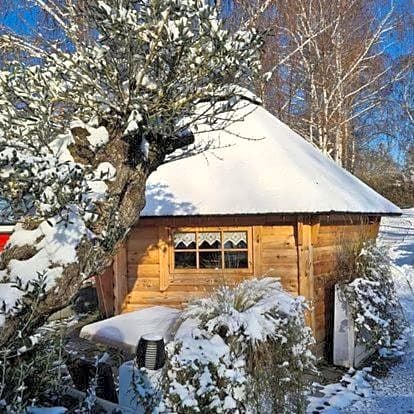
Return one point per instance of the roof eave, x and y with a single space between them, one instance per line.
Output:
298 213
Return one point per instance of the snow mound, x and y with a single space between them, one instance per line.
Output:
336 397
124 331
257 165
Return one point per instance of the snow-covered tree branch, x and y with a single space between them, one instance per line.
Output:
86 119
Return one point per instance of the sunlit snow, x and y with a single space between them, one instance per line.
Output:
359 392
261 166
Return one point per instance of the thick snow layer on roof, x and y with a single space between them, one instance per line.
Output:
124 331
259 165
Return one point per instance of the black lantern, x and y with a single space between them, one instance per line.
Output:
150 352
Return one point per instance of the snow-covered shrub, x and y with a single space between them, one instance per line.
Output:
371 295
204 375
30 363
144 388
277 369
88 114
32 375
242 349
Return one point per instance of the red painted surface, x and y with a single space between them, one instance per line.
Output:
3 240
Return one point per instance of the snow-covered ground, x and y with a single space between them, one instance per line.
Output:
359 392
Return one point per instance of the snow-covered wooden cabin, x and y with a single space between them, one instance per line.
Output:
266 202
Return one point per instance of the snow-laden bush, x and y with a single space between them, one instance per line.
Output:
31 374
372 298
31 361
242 349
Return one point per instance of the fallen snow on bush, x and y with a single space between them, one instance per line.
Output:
203 373
372 298
209 365
65 207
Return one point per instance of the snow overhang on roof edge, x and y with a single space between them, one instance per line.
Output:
299 213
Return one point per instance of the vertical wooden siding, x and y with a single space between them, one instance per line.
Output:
143 267
277 255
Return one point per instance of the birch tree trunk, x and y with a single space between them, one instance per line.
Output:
330 56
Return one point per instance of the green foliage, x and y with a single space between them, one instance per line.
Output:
30 376
30 364
146 393
279 371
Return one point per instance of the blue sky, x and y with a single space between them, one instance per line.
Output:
24 20
20 20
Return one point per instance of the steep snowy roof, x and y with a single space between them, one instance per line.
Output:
261 166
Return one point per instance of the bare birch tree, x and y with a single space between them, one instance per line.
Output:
325 66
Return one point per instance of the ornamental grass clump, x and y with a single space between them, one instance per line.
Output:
242 349
370 294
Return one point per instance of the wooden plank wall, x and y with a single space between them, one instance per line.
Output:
105 291
277 254
150 281
306 231
143 267
301 251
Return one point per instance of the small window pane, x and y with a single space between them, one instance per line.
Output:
235 260
185 260
210 240
235 240
184 241
210 260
